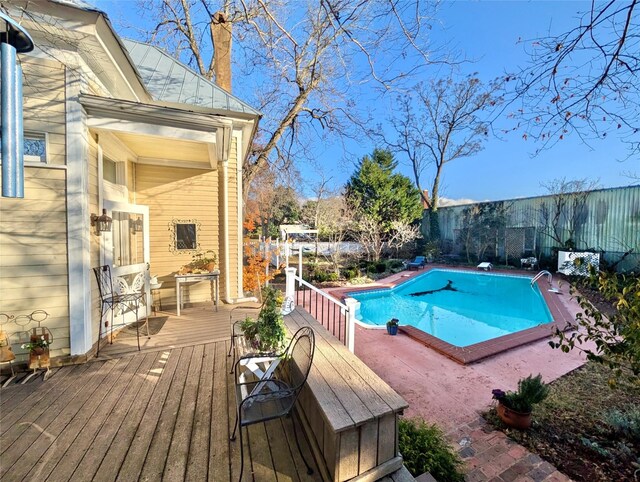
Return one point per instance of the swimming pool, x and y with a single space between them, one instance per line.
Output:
461 308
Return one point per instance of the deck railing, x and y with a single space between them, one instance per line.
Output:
335 316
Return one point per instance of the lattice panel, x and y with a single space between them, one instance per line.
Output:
514 244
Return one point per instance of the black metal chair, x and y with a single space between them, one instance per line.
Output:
272 398
110 299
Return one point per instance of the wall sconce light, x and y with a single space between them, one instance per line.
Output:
102 223
137 226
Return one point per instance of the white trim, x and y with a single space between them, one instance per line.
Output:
78 222
225 228
238 136
150 129
32 159
117 67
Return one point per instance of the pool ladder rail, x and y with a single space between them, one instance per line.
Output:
550 278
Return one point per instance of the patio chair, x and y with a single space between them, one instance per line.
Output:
110 299
275 397
418 263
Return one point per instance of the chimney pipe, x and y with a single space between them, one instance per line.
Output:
221 34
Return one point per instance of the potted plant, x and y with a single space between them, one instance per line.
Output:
392 326
202 262
267 333
37 346
514 408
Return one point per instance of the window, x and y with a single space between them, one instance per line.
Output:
186 236
35 147
128 242
109 170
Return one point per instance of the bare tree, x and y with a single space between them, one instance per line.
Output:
584 80
300 59
401 235
335 222
441 122
566 212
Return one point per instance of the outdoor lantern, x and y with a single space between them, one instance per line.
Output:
102 223
137 225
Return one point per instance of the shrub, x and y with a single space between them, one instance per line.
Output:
268 332
616 337
381 267
531 390
626 423
350 273
395 264
425 449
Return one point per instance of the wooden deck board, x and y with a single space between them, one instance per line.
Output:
197 325
162 415
84 426
198 455
20 405
176 463
154 463
219 466
17 439
87 450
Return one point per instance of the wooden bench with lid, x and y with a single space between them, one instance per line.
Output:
349 413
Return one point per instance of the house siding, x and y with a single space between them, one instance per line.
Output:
178 194
95 259
33 230
233 219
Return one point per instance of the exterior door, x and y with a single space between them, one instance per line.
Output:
126 251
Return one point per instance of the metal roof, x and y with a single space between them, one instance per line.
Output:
168 80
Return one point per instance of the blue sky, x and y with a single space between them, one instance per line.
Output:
486 32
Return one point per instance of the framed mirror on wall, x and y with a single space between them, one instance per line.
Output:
185 235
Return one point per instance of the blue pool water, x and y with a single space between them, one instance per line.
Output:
482 307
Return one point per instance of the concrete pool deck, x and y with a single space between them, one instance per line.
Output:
442 390
453 396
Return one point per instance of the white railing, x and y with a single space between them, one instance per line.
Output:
335 316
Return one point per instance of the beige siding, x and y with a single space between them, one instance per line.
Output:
178 194
33 230
95 239
233 220
44 104
33 256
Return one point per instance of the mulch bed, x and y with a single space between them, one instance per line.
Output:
570 428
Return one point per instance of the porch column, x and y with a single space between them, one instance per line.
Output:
78 218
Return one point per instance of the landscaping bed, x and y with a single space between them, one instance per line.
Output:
586 429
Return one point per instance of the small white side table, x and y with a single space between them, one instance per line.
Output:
213 277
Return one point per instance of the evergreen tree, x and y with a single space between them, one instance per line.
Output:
382 195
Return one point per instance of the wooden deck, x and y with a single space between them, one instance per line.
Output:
197 325
156 415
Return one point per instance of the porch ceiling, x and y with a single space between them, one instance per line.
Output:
156 149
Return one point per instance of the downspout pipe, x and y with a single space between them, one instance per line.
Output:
13 40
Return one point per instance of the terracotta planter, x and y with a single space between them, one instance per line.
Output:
519 420
210 267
